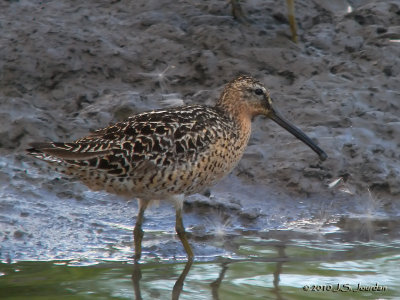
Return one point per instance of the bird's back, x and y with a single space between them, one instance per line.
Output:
154 154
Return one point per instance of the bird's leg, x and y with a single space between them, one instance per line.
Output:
180 229
292 19
239 15
137 231
237 11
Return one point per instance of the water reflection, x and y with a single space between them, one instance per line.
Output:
264 270
278 271
216 284
178 286
136 276
176 291
282 257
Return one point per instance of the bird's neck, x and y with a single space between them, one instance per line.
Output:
240 117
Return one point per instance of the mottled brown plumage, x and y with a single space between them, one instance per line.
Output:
166 154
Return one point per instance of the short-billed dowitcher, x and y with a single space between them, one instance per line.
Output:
167 154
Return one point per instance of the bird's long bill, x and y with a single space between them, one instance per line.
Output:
275 116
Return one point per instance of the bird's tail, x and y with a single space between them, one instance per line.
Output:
58 152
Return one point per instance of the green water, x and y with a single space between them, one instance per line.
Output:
272 270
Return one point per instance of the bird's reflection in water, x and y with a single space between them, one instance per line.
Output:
136 276
275 290
176 291
279 264
215 285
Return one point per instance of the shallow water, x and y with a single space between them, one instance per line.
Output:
273 270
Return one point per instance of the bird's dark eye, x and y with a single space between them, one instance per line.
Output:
258 91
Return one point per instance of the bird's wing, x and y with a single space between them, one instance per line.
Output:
148 140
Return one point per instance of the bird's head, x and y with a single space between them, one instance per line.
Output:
246 98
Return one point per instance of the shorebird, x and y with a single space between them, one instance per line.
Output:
168 154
